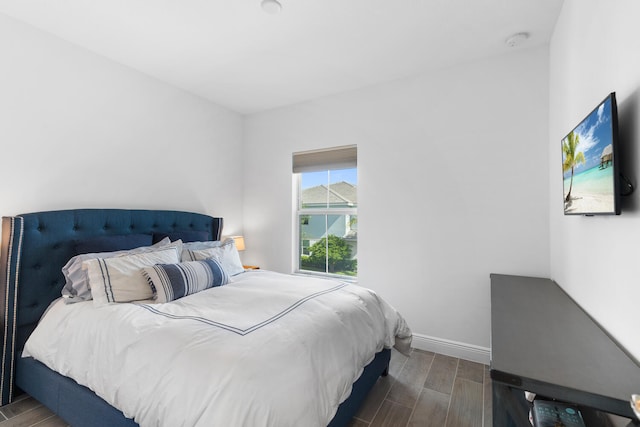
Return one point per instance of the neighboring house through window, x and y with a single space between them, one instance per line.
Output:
327 211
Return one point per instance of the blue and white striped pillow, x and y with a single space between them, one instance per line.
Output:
118 279
172 281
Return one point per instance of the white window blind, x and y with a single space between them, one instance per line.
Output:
345 157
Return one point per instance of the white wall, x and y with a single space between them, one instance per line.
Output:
453 170
595 50
453 185
78 130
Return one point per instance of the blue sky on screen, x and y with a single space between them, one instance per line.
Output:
595 134
311 179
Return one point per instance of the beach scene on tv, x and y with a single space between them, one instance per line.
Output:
587 164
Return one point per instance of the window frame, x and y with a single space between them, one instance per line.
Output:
299 212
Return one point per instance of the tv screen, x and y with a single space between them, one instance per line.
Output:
589 163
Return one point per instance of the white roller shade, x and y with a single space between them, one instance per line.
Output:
326 159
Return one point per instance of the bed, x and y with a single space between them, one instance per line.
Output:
36 246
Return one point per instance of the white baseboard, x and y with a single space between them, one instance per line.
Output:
460 350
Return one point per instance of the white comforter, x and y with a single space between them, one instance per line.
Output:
265 350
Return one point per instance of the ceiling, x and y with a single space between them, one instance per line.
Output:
234 54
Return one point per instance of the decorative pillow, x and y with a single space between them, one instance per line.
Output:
173 281
226 254
185 236
118 279
76 288
113 243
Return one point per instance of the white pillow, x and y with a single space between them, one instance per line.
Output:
226 254
76 286
118 279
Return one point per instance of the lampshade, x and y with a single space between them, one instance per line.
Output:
271 6
239 241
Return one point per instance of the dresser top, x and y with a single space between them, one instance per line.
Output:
542 338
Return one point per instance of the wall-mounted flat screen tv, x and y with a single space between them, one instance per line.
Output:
590 163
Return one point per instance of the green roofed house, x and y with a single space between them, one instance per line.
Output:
338 195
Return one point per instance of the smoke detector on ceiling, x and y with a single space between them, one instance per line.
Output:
271 6
516 39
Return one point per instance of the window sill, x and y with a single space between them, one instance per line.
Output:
336 277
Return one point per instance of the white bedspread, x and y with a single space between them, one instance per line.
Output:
266 350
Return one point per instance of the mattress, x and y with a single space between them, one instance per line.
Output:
267 349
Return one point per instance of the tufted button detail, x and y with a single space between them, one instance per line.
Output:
37 266
56 246
33 305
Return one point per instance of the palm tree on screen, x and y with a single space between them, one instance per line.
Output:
571 157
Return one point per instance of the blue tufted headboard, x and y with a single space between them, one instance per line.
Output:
36 246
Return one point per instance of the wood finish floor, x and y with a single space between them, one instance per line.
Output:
429 390
425 389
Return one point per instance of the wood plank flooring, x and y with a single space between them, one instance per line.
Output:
429 390
26 412
425 389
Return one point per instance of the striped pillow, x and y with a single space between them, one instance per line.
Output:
225 253
172 281
118 279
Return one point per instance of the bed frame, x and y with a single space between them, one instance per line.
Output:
34 249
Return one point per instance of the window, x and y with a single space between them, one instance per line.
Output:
327 211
